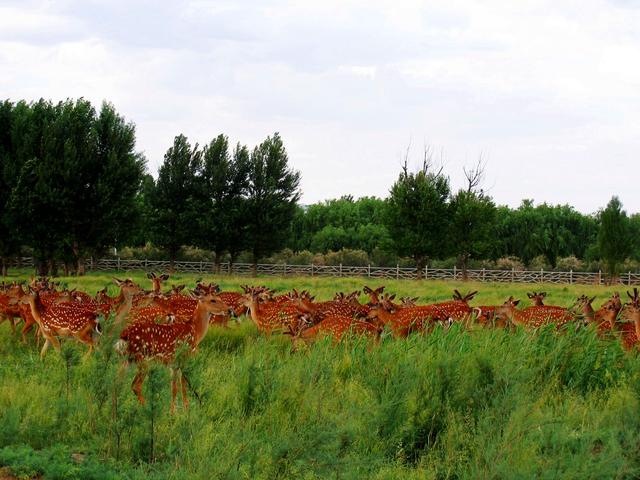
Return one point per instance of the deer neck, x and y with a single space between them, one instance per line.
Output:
200 321
124 307
254 311
36 309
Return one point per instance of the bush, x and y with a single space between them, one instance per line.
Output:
509 263
566 264
356 258
539 262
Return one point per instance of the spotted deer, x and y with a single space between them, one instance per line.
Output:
533 317
143 342
403 321
337 326
62 321
270 316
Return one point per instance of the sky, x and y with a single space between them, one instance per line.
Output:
546 92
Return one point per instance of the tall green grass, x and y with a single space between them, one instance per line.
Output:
453 404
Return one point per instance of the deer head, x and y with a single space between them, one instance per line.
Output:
537 298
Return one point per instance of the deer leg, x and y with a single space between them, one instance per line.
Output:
174 388
185 398
138 380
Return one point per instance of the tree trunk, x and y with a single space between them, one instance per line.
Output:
53 267
421 262
216 262
4 266
465 266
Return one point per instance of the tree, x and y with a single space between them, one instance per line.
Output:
472 220
176 199
271 198
417 214
614 235
9 243
225 184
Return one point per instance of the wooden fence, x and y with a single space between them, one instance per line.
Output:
481 275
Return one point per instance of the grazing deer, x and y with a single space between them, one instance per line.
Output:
270 316
403 321
157 280
336 326
320 310
458 308
533 317
143 342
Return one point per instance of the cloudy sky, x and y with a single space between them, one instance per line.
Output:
548 92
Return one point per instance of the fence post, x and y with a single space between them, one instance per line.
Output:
369 271
312 269
629 282
284 268
426 272
118 267
483 274
454 272
513 274
341 269
397 271
571 276
542 275
91 262
599 277
201 268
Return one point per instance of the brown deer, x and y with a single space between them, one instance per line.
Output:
62 321
458 308
143 342
270 316
373 295
533 317
403 321
629 324
157 280
337 326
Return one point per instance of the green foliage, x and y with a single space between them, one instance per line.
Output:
225 179
614 235
271 198
472 225
70 178
175 200
418 214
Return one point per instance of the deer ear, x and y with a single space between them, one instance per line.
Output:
530 295
516 302
366 289
151 275
117 281
164 277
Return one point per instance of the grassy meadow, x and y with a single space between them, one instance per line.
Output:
454 404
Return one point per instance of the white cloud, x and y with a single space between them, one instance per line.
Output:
550 91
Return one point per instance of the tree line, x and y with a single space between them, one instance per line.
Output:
73 186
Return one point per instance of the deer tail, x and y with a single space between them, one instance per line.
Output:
121 346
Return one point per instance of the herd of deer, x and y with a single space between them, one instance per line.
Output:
153 324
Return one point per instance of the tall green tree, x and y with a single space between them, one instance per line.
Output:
417 214
75 195
473 217
272 196
225 182
614 235
9 242
176 200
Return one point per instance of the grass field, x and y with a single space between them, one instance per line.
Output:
454 404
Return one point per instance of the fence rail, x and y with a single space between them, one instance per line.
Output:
480 275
